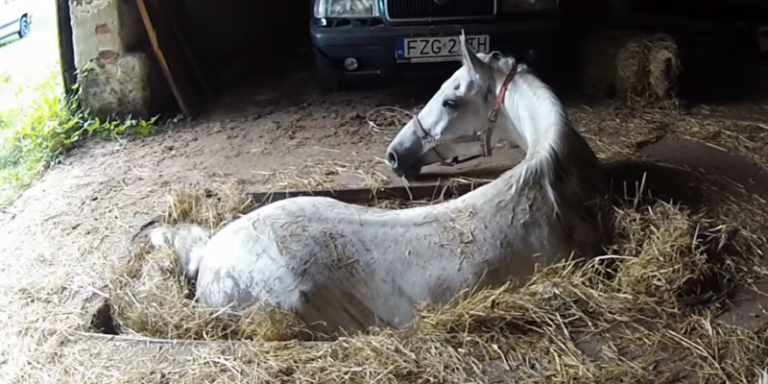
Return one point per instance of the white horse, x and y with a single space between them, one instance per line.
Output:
343 266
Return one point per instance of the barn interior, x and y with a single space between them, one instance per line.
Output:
212 50
237 83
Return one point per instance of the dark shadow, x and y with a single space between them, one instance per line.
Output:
103 320
647 182
722 79
721 66
712 161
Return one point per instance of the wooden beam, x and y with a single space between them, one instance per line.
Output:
365 195
172 62
66 47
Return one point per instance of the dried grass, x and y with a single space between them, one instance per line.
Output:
389 118
632 65
616 134
211 208
308 177
644 313
151 298
313 176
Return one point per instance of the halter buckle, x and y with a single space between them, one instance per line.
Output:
493 116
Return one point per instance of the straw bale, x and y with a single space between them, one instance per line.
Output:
663 67
630 64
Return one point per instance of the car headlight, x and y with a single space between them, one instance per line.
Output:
346 8
529 5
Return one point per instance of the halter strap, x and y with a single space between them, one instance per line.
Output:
502 93
429 141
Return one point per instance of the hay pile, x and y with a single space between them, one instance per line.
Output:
645 313
631 64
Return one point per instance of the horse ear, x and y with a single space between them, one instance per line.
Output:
470 58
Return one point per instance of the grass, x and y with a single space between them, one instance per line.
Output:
39 129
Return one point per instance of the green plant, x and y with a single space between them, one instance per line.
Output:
38 131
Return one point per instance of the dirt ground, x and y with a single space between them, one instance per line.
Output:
80 214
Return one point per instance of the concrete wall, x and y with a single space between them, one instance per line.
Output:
119 73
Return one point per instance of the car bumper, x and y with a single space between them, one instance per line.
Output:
374 47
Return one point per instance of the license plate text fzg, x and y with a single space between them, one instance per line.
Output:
424 49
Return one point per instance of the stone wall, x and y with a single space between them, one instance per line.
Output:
119 74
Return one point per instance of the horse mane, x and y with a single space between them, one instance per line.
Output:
558 155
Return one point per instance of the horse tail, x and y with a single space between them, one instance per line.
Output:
188 241
762 376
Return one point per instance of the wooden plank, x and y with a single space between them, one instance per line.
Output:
365 195
171 61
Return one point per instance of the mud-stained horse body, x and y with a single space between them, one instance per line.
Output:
345 266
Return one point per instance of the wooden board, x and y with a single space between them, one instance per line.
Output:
66 47
169 54
429 184
365 195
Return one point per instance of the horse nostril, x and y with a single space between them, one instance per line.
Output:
392 158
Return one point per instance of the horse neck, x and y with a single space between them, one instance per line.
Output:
532 115
557 156
558 160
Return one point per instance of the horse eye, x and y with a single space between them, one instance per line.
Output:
450 104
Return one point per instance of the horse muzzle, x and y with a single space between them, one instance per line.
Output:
404 163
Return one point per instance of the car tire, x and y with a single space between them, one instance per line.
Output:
328 78
24 27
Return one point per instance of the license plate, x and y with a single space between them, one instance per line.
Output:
430 49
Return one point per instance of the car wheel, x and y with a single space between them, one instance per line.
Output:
328 79
24 26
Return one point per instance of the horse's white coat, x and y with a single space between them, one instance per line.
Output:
347 266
